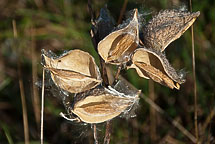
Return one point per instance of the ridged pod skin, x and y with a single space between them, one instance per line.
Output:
117 47
101 104
75 71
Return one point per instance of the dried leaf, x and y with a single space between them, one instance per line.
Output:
104 24
75 71
117 47
153 64
166 27
101 104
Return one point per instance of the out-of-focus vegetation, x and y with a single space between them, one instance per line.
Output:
61 25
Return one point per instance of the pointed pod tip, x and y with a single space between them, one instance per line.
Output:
196 14
43 57
135 13
43 51
177 86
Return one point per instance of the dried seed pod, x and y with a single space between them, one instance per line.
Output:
166 27
75 71
117 47
102 104
153 64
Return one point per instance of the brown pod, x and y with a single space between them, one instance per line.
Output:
167 26
153 64
102 104
117 47
75 71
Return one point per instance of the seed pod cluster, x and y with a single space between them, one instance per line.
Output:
76 71
146 55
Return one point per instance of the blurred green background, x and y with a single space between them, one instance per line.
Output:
61 25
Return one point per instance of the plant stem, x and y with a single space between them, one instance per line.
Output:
107 132
122 11
168 118
42 108
152 113
95 134
194 81
22 91
95 41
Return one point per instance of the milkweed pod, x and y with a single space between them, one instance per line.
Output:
117 47
74 71
167 26
153 64
101 104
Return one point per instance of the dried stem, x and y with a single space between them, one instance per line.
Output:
95 134
95 41
107 132
42 108
194 81
117 75
175 123
206 123
35 96
122 11
22 91
208 119
92 14
170 140
152 113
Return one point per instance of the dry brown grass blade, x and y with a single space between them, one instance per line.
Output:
208 119
42 108
175 123
107 132
95 134
122 11
152 113
194 80
35 96
170 140
22 91
205 125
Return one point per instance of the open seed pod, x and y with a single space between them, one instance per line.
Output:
102 104
75 71
153 64
117 47
166 27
